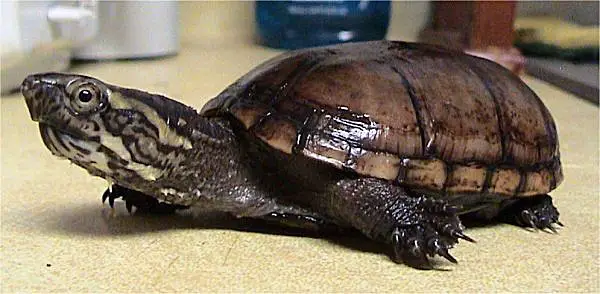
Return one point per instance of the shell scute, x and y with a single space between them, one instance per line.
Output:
446 121
333 151
504 181
529 131
280 132
464 179
369 88
419 115
248 114
380 165
423 173
541 179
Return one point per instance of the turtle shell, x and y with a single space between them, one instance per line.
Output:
420 115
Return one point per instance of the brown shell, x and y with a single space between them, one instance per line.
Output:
416 114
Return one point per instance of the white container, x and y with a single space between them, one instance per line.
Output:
133 29
33 40
38 36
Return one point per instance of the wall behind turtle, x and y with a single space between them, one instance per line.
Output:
409 18
216 23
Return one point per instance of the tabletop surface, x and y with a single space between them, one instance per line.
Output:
58 236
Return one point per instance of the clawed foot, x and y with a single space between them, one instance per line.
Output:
142 202
434 231
537 212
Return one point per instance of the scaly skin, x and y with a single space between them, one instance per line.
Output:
162 156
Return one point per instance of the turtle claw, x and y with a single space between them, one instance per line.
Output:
409 251
111 196
129 207
444 253
461 235
142 202
537 213
105 195
432 232
411 248
529 219
441 249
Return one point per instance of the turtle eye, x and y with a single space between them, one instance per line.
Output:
85 98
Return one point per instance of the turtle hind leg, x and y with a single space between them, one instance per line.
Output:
415 226
142 202
537 212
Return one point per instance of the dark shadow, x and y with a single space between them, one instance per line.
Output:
101 221
473 222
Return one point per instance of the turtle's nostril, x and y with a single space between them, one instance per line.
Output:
27 87
27 82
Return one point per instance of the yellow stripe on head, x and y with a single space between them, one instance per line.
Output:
166 135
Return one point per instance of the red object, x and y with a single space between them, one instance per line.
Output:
480 24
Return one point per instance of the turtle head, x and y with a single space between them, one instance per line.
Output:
123 135
66 102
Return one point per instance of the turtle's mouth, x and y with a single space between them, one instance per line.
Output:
62 142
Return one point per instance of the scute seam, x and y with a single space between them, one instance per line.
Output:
522 182
417 108
449 170
489 172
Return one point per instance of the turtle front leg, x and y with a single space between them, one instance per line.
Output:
537 212
253 205
416 226
142 202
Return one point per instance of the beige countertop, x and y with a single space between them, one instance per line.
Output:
57 236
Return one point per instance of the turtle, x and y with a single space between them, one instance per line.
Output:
399 141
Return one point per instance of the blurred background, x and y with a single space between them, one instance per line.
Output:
554 41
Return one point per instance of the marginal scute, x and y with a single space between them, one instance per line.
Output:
380 165
423 173
505 181
557 173
247 114
278 132
328 150
536 181
466 179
